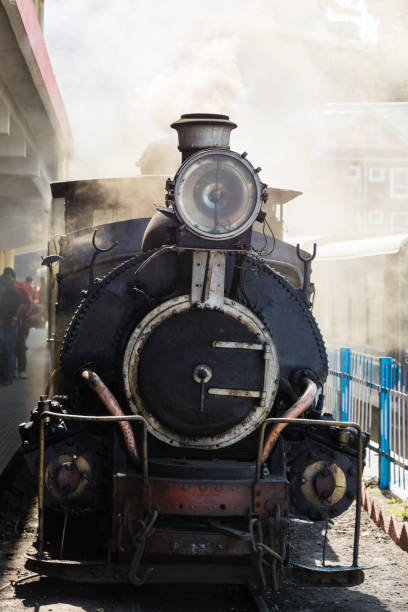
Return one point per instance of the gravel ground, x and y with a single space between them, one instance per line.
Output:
385 586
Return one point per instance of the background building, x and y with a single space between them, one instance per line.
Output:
361 167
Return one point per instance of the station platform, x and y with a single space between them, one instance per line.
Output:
18 399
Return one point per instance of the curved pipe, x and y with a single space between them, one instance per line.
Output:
304 401
112 405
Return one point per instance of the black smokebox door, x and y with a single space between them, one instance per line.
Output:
179 364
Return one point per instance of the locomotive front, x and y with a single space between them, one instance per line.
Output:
203 354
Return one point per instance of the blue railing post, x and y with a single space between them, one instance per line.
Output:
384 422
345 368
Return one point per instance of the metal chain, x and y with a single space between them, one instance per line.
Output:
261 550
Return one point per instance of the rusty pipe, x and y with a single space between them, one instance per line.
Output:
112 405
304 401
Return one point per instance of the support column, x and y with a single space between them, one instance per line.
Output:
8 259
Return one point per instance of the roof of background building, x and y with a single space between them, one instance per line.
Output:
366 247
339 119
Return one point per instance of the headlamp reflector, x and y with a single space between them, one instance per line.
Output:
217 194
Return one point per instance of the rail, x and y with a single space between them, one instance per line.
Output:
373 391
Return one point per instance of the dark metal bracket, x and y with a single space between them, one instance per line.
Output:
306 271
97 252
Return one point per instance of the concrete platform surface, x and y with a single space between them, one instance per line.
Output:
18 399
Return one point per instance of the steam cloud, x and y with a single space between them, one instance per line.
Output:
128 69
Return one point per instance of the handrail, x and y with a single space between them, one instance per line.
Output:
321 423
47 415
135 417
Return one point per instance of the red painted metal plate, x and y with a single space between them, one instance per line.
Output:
205 498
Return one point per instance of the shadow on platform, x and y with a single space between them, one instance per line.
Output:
18 399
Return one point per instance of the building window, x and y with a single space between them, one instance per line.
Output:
355 173
399 183
375 217
376 175
399 223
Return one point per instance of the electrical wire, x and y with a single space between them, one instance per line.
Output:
262 252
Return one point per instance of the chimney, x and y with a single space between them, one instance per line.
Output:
198 131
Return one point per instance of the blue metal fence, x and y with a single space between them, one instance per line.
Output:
373 392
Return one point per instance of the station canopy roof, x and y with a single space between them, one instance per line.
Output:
364 247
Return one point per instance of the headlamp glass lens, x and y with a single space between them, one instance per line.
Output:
216 194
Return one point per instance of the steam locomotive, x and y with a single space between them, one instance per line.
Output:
182 429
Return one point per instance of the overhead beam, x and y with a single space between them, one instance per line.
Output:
22 166
31 248
12 146
4 118
20 206
18 232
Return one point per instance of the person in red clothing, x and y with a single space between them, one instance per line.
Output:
26 294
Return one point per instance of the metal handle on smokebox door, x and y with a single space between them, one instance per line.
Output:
306 270
98 250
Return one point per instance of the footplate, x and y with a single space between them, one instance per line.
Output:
331 575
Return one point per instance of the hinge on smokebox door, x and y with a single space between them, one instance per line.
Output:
269 372
208 279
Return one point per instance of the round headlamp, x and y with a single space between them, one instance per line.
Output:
217 194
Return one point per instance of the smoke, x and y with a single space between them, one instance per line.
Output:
130 68
198 80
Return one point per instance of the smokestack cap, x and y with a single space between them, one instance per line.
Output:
198 131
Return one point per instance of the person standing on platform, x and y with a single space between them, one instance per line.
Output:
3 287
26 294
9 306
